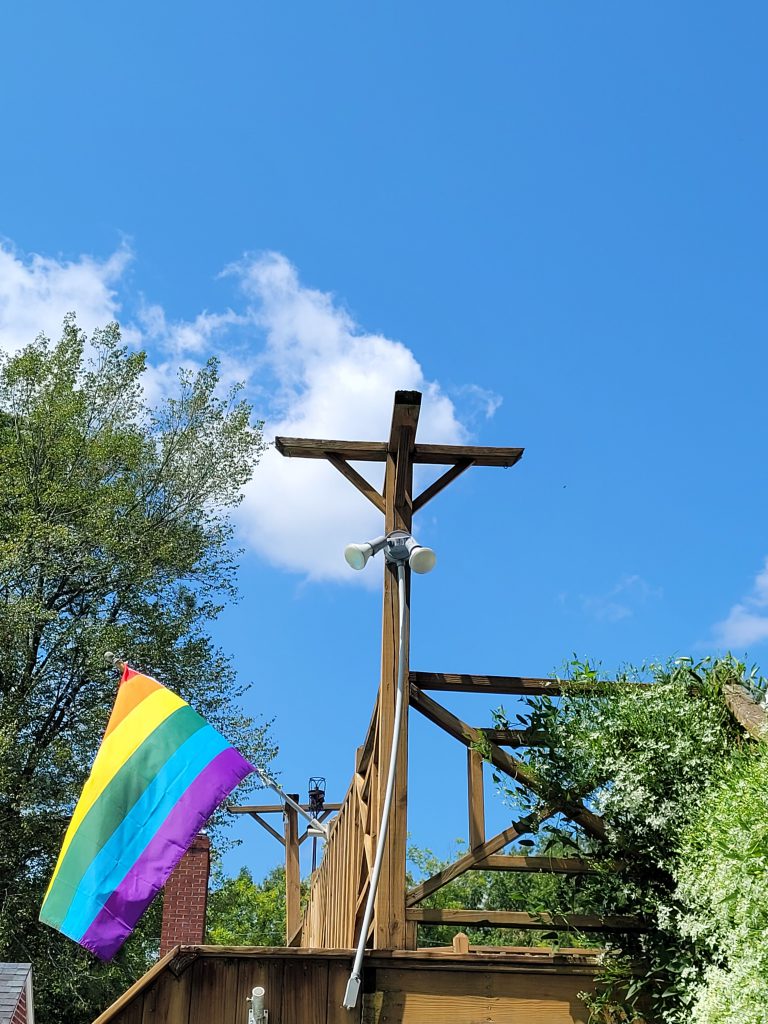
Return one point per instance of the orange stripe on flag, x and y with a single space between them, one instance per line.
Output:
130 697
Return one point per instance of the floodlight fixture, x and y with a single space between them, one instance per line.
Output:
398 546
357 555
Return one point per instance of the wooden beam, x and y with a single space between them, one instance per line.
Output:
311 448
514 737
450 454
292 871
517 919
516 769
376 451
359 481
389 926
475 798
747 712
454 683
474 857
550 865
273 808
265 825
520 685
441 483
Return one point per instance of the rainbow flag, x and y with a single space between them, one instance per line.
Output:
158 776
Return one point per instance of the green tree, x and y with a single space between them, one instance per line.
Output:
645 759
242 912
114 535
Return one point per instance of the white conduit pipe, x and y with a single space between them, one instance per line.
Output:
353 985
314 823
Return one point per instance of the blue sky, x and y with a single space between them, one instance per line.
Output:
549 217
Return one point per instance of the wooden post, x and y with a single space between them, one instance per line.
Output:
475 799
389 909
391 929
292 870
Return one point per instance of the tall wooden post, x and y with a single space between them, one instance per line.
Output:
389 908
292 870
398 504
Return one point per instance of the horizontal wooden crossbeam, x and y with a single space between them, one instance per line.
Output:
518 919
520 685
377 451
274 808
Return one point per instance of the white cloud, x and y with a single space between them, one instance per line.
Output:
332 381
310 370
747 621
37 292
621 600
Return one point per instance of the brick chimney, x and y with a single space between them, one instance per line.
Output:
186 897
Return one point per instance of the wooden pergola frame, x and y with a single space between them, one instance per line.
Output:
333 916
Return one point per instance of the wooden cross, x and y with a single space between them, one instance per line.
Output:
398 505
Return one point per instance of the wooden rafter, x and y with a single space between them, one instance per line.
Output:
518 685
265 825
475 857
441 483
516 769
517 919
273 808
359 481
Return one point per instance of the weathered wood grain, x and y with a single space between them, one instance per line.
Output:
747 712
518 919
376 451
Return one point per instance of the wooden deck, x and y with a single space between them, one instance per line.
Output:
210 984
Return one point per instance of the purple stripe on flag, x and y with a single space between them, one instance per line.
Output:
116 920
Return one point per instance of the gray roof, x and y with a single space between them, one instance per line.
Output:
13 978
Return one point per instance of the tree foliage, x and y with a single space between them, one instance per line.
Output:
242 912
723 888
644 759
114 535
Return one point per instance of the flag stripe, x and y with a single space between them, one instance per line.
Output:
119 796
132 696
126 844
137 890
115 751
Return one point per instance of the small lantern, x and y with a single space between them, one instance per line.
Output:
316 795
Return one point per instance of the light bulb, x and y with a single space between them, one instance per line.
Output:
422 559
357 555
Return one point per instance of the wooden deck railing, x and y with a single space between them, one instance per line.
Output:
340 885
